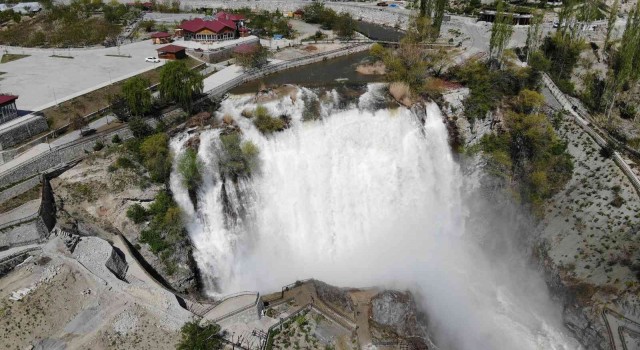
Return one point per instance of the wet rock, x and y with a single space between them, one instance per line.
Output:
334 295
397 312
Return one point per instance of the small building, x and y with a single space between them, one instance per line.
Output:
298 14
161 38
8 109
222 26
518 18
172 52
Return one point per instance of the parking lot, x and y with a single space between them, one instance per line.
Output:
40 80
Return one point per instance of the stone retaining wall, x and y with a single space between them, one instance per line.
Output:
60 155
19 188
26 232
13 136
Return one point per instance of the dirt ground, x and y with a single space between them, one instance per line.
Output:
69 306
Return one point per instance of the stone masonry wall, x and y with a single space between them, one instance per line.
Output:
15 135
25 233
55 157
19 189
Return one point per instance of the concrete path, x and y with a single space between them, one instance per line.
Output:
24 211
230 305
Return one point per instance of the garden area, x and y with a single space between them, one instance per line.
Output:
310 330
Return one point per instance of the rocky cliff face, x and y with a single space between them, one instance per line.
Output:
587 241
93 199
396 312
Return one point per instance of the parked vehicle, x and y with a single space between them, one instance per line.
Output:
152 59
382 3
87 132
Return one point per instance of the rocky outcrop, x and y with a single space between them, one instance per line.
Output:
337 296
396 312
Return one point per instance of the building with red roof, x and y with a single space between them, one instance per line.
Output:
8 109
161 38
223 26
172 52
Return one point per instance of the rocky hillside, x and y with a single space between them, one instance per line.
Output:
93 199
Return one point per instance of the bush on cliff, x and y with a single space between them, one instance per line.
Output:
237 158
266 123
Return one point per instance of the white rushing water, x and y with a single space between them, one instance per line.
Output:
366 198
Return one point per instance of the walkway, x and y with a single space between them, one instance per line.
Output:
624 333
591 130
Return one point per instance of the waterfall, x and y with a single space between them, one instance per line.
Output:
365 197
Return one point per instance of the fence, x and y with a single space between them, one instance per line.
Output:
585 125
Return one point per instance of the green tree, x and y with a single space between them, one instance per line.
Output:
626 62
534 35
345 25
255 57
501 32
156 156
136 93
196 337
236 158
611 21
180 84
191 169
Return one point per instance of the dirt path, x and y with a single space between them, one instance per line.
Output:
362 300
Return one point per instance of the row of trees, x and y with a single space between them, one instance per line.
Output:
178 84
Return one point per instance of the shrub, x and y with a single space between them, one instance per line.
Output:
137 213
124 163
237 158
196 337
266 123
156 157
190 168
116 139
98 146
139 128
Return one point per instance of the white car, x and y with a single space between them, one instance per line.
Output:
152 59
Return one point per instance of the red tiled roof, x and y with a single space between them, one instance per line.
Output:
246 48
198 24
160 35
7 98
171 49
299 12
229 16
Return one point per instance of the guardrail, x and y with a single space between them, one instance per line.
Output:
585 125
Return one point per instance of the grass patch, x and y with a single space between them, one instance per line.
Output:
21 199
8 57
